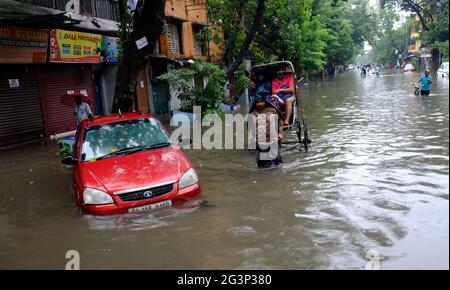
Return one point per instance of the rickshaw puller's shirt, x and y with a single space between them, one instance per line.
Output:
287 80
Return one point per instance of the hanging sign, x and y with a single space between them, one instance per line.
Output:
141 43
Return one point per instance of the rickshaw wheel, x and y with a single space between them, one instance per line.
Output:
299 131
306 140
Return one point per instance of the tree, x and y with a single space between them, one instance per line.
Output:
350 25
208 96
422 8
388 48
292 32
239 21
437 35
433 16
146 21
364 20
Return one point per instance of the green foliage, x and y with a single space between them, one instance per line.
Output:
125 26
364 21
209 96
437 35
292 32
225 19
433 17
443 48
390 47
65 149
415 62
310 33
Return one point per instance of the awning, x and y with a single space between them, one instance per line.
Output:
18 13
23 14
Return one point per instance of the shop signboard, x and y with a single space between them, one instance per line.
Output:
22 45
74 47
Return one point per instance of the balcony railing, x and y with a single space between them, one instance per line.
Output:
106 9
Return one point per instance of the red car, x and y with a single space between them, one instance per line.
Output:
126 163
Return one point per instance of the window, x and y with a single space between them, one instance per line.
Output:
199 41
174 32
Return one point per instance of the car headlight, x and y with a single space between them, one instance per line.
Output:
189 178
95 196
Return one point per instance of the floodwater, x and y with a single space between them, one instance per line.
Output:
375 179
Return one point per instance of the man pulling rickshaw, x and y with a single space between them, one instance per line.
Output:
275 84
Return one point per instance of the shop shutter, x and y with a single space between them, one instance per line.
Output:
20 108
57 79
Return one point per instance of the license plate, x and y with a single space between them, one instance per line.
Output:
151 206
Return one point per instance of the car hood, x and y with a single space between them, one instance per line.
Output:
141 169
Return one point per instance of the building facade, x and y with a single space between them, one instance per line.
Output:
179 45
48 48
51 47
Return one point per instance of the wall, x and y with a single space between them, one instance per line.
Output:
176 9
196 11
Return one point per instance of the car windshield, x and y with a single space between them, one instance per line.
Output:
103 141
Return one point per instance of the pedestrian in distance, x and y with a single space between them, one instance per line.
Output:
82 110
425 81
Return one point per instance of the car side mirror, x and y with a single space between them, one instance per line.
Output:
69 160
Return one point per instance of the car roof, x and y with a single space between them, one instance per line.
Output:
105 119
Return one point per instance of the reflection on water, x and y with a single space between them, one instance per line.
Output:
375 179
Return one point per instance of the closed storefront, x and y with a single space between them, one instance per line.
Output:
21 49
20 107
70 70
56 80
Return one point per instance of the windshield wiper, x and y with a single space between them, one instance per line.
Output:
131 150
128 150
157 145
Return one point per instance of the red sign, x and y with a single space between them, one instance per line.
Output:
23 45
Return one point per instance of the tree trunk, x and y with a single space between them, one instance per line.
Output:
147 22
249 38
435 59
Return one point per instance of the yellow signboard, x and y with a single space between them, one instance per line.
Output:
73 46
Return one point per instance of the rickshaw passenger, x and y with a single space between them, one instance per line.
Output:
283 86
262 86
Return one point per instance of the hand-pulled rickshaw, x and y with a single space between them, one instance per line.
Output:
264 74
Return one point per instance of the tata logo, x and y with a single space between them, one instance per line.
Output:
148 193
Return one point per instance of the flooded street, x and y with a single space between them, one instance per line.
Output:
375 178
